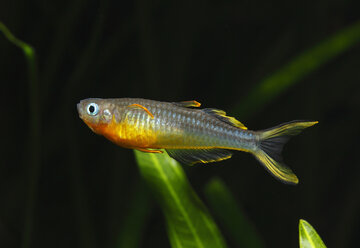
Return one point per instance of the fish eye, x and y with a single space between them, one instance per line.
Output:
93 109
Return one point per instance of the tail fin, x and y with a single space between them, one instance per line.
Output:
271 144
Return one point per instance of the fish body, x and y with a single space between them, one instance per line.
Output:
189 134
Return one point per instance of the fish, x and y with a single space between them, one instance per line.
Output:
188 133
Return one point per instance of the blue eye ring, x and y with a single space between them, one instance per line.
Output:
92 109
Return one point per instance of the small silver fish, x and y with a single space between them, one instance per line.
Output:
188 134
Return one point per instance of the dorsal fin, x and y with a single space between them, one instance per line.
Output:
193 156
188 104
221 115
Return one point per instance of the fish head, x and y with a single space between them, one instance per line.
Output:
98 114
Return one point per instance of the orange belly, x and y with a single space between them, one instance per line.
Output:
125 134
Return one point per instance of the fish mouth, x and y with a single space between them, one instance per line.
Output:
78 107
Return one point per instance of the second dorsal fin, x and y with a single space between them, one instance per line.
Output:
221 115
187 104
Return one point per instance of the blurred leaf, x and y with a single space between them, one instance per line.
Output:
308 238
189 223
231 215
306 63
131 232
27 49
34 133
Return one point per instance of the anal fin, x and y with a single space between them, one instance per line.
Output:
193 156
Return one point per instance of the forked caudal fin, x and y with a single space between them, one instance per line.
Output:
270 147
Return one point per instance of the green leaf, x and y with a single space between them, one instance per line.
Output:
189 223
27 49
301 66
34 134
308 238
231 215
140 206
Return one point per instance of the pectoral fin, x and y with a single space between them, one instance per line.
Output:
141 107
193 156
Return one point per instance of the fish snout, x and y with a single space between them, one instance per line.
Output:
79 109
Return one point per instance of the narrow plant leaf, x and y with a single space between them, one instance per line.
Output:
308 238
302 65
140 206
189 223
231 215
34 132
26 48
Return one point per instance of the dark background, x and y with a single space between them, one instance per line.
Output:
87 192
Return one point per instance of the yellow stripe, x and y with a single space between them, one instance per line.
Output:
214 160
276 168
